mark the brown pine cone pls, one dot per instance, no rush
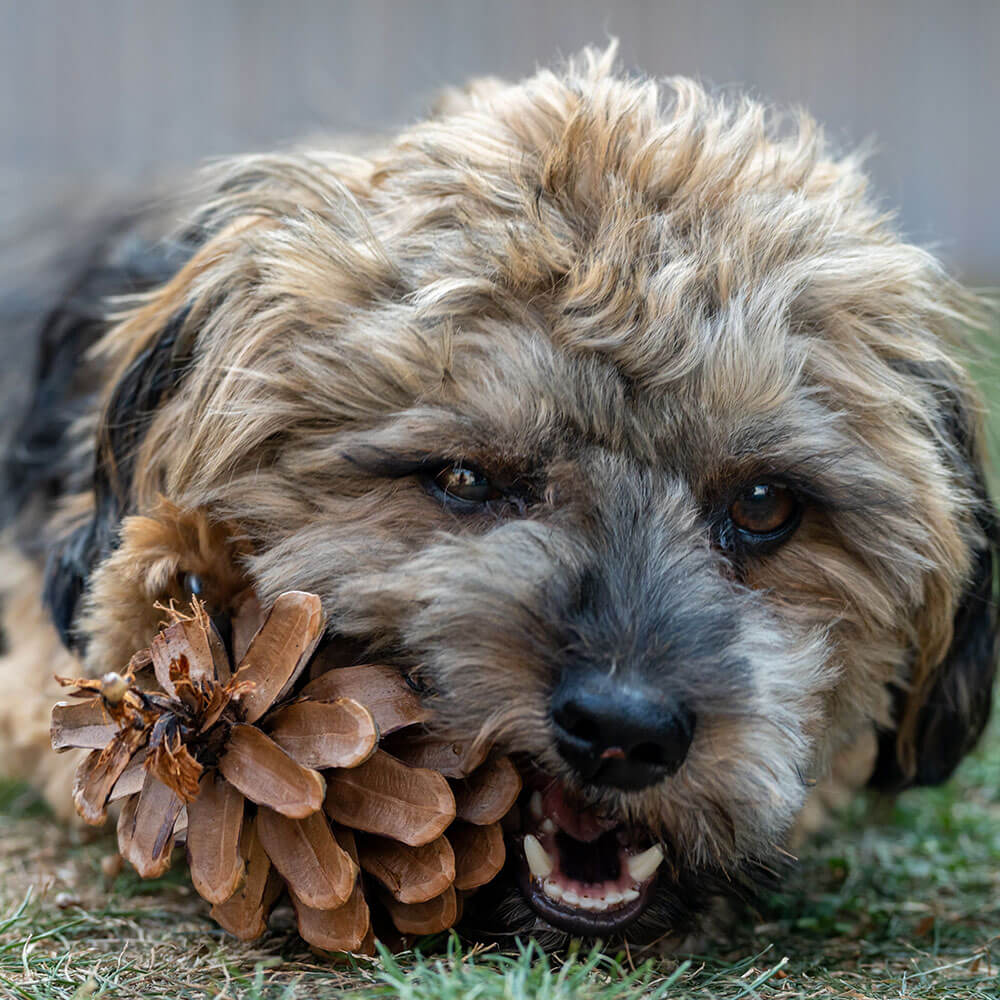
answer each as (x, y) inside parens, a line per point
(230, 760)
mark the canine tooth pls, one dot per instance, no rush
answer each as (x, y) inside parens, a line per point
(552, 889)
(569, 896)
(628, 895)
(536, 805)
(642, 866)
(538, 860)
(548, 826)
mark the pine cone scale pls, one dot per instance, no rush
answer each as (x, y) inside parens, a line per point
(386, 797)
(488, 795)
(321, 735)
(182, 650)
(266, 775)
(130, 782)
(146, 827)
(215, 821)
(100, 771)
(378, 687)
(431, 917)
(343, 929)
(246, 622)
(83, 724)
(453, 760)
(317, 869)
(279, 652)
(411, 874)
(480, 853)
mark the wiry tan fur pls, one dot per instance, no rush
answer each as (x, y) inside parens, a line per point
(634, 296)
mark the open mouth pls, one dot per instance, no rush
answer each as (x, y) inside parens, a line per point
(582, 872)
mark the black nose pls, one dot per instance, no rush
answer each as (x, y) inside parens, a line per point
(617, 734)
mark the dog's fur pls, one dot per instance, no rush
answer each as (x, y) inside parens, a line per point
(627, 307)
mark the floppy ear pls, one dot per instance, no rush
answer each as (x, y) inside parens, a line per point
(153, 373)
(153, 348)
(940, 719)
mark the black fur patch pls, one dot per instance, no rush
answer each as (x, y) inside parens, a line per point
(957, 708)
(155, 372)
(44, 462)
(40, 463)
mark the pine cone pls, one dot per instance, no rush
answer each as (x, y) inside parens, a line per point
(230, 760)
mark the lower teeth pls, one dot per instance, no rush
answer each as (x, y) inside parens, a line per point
(572, 898)
(552, 890)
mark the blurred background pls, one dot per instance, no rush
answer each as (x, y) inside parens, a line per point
(115, 91)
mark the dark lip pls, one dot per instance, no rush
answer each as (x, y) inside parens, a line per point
(577, 922)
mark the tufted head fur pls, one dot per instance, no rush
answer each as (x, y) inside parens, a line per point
(623, 306)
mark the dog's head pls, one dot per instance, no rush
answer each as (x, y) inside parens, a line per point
(631, 430)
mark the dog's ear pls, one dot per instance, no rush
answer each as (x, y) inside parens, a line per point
(146, 379)
(941, 716)
(149, 352)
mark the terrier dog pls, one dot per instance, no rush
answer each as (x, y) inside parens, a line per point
(626, 425)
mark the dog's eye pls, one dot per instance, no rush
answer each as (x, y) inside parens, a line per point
(465, 482)
(765, 511)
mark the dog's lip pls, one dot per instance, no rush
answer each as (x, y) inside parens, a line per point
(571, 847)
(579, 921)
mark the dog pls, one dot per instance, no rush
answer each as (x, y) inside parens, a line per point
(616, 414)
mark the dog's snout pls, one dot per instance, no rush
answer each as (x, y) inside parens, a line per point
(618, 734)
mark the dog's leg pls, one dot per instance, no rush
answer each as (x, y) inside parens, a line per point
(852, 767)
(31, 657)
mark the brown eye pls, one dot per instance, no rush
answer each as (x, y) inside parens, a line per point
(466, 483)
(765, 509)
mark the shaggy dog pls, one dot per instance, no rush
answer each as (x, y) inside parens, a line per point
(627, 427)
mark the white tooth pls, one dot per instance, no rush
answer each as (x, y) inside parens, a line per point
(569, 896)
(548, 826)
(588, 903)
(628, 895)
(552, 889)
(613, 898)
(536, 805)
(642, 866)
(538, 860)
(600, 904)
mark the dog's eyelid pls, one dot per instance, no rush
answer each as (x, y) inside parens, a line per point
(386, 465)
(814, 477)
(516, 491)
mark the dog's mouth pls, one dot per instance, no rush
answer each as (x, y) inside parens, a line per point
(582, 872)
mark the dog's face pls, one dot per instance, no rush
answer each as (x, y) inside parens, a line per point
(629, 433)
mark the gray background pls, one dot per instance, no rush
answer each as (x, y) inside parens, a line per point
(109, 91)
